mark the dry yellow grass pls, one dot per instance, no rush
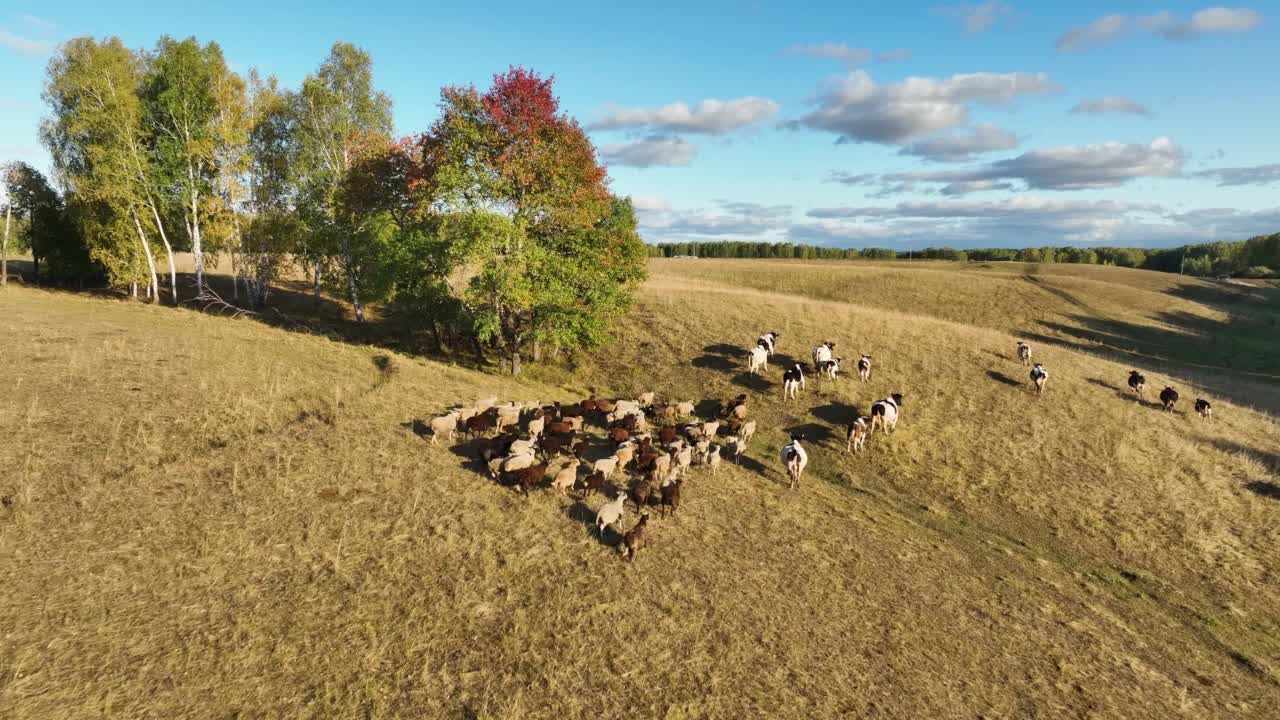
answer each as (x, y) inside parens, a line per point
(214, 518)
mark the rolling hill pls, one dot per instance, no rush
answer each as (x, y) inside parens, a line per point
(212, 517)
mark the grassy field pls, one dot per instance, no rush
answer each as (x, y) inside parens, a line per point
(211, 517)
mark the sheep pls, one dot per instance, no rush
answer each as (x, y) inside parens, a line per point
(624, 453)
(465, 414)
(646, 398)
(662, 464)
(885, 413)
(735, 446)
(552, 445)
(1204, 409)
(684, 409)
(593, 483)
(507, 415)
(737, 408)
(537, 425)
(446, 425)
(626, 407)
(617, 436)
(709, 429)
(670, 496)
(822, 353)
(747, 432)
(531, 476)
(606, 465)
(794, 458)
(559, 427)
(1038, 377)
(700, 451)
(566, 478)
(757, 359)
(666, 435)
(640, 492)
(483, 404)
(864, 367)
(523, 446)
(713, 459)
(500, 446)
(635, 538)
(792, 381)
(512, 463)
(481, 424)
(663, 412)
(768, 341)
(610, 514)
(1024, 352)
(684, 459)
(856, 435)
(1137, 382)
(1168, 398)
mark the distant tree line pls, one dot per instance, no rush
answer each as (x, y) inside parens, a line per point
(493, 228)
(1256, 257)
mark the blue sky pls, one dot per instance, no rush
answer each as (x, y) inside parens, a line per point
(905, 125)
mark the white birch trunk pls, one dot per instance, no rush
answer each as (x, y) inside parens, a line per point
(173, 270)
(135, 291)
(146, 248)
(194, 229)
(4, 247)
(351, 281)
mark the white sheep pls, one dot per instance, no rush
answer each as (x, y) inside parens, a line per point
(684, 459)
(537, 425)
(646, 399)
(523, 447)
(685, 408)
(794, 458)
(444, 425)
(710, 429)
(508, 415)
(610, 514)
(747, 431)
(566, 478)
(606, 465)
(713, 458)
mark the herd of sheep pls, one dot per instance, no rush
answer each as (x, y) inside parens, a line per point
(654, 445)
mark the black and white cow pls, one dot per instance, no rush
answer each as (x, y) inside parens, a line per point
(823, 353)
(1204, 409)
(1038, 377)
(885, 413)
(768, 341)
(864, 367)
(1168, 398)
(794, 458)
(792, 381)
(1137, 382)
(1024, 352)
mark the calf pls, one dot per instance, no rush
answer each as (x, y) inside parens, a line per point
(757, 359)
(856, 435)
(1204, 409)
(768, 341)
(864, 368)
(1038, 377)
(792, 381)
(1137, 382)
(885, 413)
(1168, 398)
(830, 368)
(794, 458)
(1024, 352)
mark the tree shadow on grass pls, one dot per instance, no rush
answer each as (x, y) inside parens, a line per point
(1268, 458)
(752, 381)
(1002, 378)
(715, 362)
(837, 413)
(725, 349)
(1265, 489)
(1122, 393)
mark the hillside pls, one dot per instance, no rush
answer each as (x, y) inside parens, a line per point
(213, 517)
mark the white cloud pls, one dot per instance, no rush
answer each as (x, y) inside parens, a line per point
(1111, 27)
(650, 151)
(978, 17)
(1065, 167)
(961, 147)
(856, 109)
(711, 117)
(833, 51)
(37, 21)
(23, 45)
(1110, 104)
(1251, 175)
(727, 219)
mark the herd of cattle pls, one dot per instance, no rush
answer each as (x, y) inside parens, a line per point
(656, 444)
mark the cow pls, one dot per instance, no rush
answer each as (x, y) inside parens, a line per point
(1137, 382)
(885, 413)
(822, 353)
(768, 341)
(1204, 409)
(1024, 352)
(856, 435)
(830, 368)
(792, 381)
(864, 367)
(1168, 398)
(757, 358)
(794, 458)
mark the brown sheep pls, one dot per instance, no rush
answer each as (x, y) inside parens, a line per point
(593, 483)
(619, 435)
(635, 538)
(530, 477)
(480, 424)
(670, 497)
(640, 492)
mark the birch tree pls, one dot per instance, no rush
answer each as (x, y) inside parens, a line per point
(95, 138)
(337, 114)
(180, 91)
